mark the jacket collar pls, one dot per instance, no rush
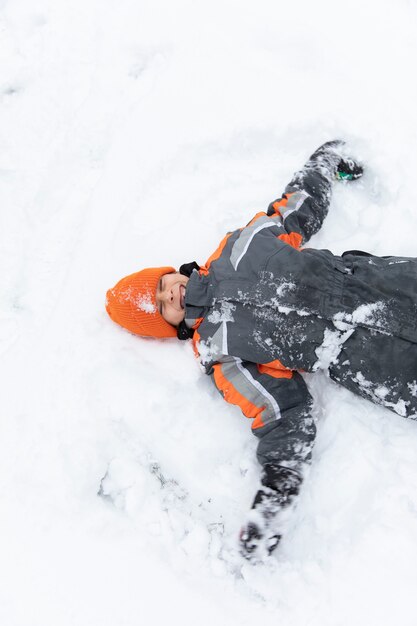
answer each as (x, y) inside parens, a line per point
(192, 313)
(187, 269)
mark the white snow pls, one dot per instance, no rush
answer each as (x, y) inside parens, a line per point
(330, 348)
(137, 134)
(225, 314)
(413, 388)
(370, 314)
(365, 314)
(146, 303)
(284, 287)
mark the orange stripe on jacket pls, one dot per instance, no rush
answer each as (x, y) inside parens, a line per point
(197, 322)
(256, 217)
(281, 204)
(275, 369)
(233, 396)
(293, 239)
(204, 269)
(196, 338)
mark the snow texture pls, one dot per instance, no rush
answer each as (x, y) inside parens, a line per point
(145, 302)
(329, 350)
(225, 314)
(137, 134)
(366, 314)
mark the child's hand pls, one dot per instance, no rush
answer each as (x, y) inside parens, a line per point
(348, 169)
(256, 543)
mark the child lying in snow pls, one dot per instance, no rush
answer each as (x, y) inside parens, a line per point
(262, 309)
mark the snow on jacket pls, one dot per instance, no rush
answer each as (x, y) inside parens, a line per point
(264, 309)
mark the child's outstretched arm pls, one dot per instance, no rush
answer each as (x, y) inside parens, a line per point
(280, 405)
(306, 199)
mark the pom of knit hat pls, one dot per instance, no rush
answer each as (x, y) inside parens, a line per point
(132, 304)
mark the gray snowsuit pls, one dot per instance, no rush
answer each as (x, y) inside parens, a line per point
(264, 309)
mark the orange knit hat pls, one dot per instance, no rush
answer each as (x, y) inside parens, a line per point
(132, 304)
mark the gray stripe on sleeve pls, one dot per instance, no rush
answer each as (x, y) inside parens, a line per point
(295, 202)
(243, 242)
(243, 381)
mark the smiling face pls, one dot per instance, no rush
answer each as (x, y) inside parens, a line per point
(170, 294)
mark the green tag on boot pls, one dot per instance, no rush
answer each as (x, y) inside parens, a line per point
(344, 176)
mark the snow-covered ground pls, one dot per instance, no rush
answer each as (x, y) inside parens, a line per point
(135, 133)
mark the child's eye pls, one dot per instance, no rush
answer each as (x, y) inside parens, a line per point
(160, 288)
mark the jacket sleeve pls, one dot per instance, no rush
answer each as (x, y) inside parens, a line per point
(278, 402)
(305, 202)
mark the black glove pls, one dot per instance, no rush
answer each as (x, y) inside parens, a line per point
(348, 169)
(260, 535)
(254, 543)
(330, 153)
